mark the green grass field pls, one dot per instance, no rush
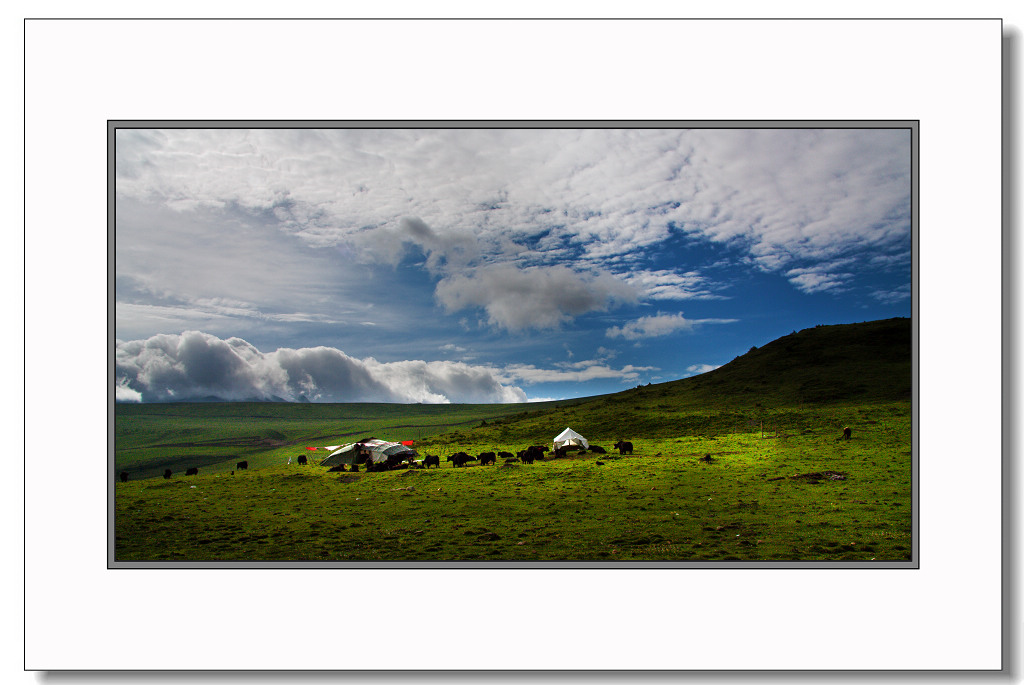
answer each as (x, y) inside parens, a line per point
(719, 472)
(214, 436)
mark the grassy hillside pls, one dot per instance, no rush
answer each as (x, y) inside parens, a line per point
(783, 386)
(149, 438)
(743, 462)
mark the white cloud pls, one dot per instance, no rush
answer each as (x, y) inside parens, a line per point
(658, 325)
(899, 294)
(534, 297)
(696, 369)
(197, 365)
(670, 285)
(572, 373)
(821, 277)
(788, 195)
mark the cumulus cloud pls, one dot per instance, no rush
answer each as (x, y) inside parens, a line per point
(533, 297)
(658, 325)
(196, 365)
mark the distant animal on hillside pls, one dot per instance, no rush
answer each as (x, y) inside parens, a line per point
(540, 449)
(335, 469)
(511, 460)
(624, 447)
(302, 460)
(846, 433)
(167, 474)
(488, 458)
(506, 455)
(194, 471)
(124, 476)
(242, 465)
(460, 459)
(431, 460)
(597, 449)
(355, 467)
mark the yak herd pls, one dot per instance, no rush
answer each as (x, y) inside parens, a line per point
(528, 456)
(459, 459)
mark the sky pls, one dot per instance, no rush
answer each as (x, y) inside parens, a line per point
(490, 265)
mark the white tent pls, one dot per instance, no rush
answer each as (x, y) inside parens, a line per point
(570, 437)
(369, 449)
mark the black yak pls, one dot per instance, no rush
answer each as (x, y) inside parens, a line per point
(624, 447)
(124, 476)
(242, 465)
(431, 459)
(460, 459)
(846, 433)
(487, 458)
(194, 471)
(302, 460)
(167, 474)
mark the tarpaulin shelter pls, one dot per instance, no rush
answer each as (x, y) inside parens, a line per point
(369, 450)
(570, 437)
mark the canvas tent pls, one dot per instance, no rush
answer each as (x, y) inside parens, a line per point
(369, 450)
(569, 437)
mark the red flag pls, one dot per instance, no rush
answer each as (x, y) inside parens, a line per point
(407, 443)
(311, 448)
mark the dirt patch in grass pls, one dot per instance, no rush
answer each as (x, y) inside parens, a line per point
(818, 476)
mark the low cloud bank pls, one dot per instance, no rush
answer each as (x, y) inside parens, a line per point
(196, 365)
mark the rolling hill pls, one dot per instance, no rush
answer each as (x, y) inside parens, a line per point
(784, 383)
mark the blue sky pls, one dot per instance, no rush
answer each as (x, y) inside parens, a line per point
(490, 265)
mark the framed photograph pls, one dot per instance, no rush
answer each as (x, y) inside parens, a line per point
(431, 214)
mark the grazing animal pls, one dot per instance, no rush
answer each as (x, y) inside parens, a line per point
(488, 458)
(167, 474)
(531, 454)
(194, 471)
(512, 460)
(302, 460)
(355, 467)
(242, 465)
(846, 433)
(124, 476)
(335, 469)
(460, 458)
(597, 449)
(624, 447)
(600, 463)
(431, 459)
(506, 455)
